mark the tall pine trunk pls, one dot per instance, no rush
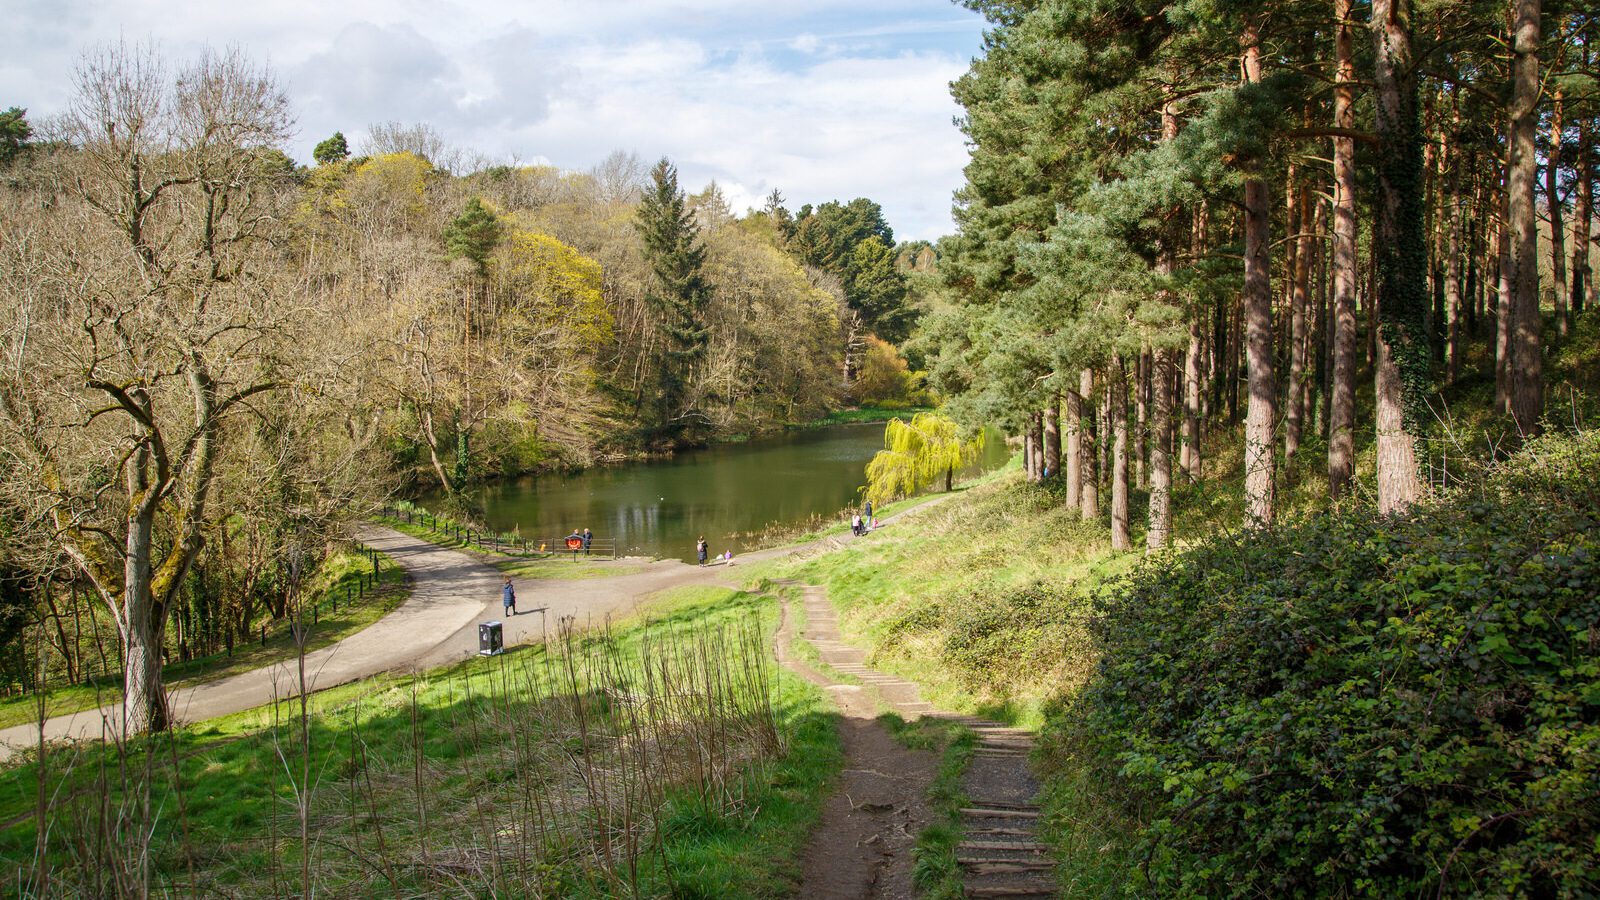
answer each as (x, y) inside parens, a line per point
(1401, 256)
(1552, 193)
(1193, 391)
(1052, 437)
(1257, 302)
(1299, 310)
(1089, 477)
(1452, 270)
(1505, 304)
(1160, 529)
(1118, 408)
(1342, 383)
(1074, 446)
(1525, 372)
(1582, 209)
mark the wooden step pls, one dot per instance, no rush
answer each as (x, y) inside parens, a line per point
(1009, 890)
(990, 865)
(1019, 832)
(1001, 813)
(1002, 804)
(1034, 846)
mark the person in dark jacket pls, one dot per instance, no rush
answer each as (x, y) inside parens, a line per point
(508, 597)
(701, 549)
(588, 536)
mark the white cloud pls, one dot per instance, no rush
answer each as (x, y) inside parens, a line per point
(824, 99)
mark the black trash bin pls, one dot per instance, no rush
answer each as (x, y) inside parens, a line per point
(491, 640)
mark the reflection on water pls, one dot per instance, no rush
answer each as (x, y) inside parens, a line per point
(659, 508)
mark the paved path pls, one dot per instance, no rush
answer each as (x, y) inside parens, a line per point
(451, 593)
(446, 586)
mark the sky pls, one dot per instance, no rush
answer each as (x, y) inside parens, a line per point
(821, 99)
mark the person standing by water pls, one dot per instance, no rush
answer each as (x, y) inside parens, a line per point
(855, 525)
(508, 597)
(868, 513)
(588, 536)
(702, 549)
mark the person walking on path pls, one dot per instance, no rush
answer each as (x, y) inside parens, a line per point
(587, 537)
(508, 597)
(701, 549)
(868, 513)
(855, 525)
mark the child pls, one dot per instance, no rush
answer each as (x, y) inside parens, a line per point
(508, 596)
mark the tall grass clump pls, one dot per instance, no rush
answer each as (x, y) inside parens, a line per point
(1356, 704)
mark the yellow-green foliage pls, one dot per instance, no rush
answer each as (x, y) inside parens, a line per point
(554, 291)
(916, 453)
(395, 184)
(884, 375)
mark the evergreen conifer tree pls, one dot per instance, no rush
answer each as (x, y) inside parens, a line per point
(679, 297)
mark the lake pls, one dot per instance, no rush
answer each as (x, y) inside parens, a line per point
(729, 493)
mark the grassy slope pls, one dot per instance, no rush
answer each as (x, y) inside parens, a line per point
(335, 580)
(235, 790)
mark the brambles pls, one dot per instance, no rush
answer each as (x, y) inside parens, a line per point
(1369, 704)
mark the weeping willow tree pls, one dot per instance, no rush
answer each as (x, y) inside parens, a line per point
(916, 453)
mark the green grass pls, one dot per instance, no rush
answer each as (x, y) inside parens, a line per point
(336, 580)
(934, 866)
(236, 775)
(757, 854)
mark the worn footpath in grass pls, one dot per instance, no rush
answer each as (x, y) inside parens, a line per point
(408, 775)
(331, 592)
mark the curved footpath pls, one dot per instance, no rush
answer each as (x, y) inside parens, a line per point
(451, 592)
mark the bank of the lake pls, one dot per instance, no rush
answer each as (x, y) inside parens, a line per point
(732, 494)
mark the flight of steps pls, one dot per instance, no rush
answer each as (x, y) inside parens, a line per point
(1000, 854)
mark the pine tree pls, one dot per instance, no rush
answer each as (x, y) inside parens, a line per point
(679, 297)
(331, 150)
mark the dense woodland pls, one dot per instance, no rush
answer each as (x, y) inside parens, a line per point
(1316, 218)
(1320, 270)
(214, 355)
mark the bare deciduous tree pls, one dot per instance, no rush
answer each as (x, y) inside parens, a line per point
(142, 325)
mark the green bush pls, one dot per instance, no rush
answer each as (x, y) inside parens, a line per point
(1365, 705)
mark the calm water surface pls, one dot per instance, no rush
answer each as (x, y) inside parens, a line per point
(726, 493)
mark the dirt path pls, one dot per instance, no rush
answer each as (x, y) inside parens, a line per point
(862, 846)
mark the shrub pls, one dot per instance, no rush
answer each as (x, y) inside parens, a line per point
(1359, 704)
